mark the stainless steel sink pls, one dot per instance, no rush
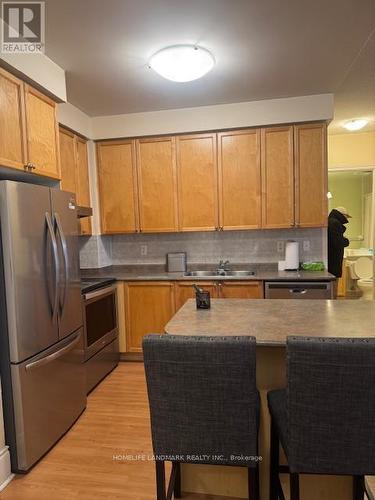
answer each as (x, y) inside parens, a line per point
(202, 273)
(222, 274)
(239, 273)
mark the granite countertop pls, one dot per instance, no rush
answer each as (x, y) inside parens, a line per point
(272, 320)
(158, 273)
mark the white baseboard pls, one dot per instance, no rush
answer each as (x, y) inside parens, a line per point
(5, 473)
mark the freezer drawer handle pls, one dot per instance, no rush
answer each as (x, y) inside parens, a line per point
(298, 290)
(56, 263)
(66, 261)
(53, 356)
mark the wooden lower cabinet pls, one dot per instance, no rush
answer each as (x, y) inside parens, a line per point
(149, 305)
(184, 291)
(240, 290)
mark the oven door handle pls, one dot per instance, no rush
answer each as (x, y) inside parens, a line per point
(99, 293)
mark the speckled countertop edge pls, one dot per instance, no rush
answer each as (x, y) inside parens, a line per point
(158, 273)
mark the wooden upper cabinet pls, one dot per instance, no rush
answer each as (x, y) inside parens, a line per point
(83, 192)
(117, 186)
(149, 306)
(157, 185)
(277, 177)
(68, 160)
(197, 182)
(74, 172)
(239, 179)
(12, 122)
(311, 174)
(83, 181)
(42, 133)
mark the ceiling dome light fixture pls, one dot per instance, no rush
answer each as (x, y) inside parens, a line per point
(182, 63)
(353, 125)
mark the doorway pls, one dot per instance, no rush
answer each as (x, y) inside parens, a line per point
(354, 190)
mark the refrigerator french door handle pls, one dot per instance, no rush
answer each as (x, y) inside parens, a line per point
(51, 357)
(56, 264)
(65, 255)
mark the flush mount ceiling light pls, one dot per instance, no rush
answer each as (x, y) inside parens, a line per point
(355, 124)
(182, 63)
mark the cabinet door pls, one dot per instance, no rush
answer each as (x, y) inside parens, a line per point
(197, 182)
(311, 174)
(241, 290)
(117, 187)
(239, 179)
(157, 186)
(42, 133)
(68, 161)
(184, 291)
(149, 306)
(12, 122)
(277, 177)
(83, 191)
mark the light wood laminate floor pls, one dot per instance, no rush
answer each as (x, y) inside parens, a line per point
(81, 465)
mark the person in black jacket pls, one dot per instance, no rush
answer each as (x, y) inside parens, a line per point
(337, 219)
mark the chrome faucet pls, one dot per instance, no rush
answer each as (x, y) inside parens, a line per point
(223, 267)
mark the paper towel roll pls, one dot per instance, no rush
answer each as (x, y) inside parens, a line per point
(291, 255)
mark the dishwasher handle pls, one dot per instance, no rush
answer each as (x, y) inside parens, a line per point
(298, 290)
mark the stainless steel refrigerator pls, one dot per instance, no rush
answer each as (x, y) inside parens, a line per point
(43, 382)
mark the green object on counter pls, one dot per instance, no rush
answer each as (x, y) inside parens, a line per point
(312, 266)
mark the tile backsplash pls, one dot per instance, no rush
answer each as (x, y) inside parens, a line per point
(259, 246)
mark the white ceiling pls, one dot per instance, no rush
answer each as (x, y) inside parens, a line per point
(263, 49)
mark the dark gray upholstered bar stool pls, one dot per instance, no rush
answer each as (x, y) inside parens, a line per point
(204, 405)
(325, 419)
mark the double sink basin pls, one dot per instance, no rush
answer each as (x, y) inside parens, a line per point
(215, 274)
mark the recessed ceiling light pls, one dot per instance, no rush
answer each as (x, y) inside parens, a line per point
(182, 63)
(355, 124)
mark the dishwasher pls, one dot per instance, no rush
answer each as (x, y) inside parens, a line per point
(298, 290)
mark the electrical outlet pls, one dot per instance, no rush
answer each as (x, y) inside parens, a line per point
(306, 246)
(144, 250)
(280, 246)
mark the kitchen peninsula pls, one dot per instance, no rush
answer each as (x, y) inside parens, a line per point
(270, 321)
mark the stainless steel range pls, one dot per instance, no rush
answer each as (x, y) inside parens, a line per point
(101, 343)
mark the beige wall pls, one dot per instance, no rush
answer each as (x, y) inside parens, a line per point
(351, 150)
(236, 115)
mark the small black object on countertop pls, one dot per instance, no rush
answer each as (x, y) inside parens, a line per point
(91, 284)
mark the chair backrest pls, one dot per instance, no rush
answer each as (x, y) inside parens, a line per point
(203, 398)
(331, 405)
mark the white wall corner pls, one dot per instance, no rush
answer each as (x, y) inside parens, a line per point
(5, 473)
(74, 118)
(41, 70)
